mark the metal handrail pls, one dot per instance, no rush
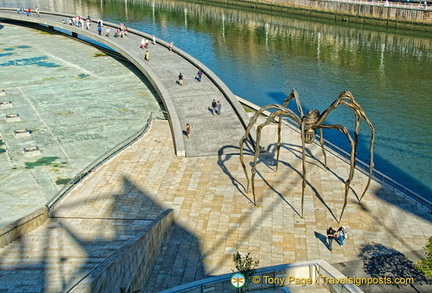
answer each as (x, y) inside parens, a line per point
(97, 162)
(318, 264)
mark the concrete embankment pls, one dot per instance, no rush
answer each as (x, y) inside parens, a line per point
(395, 14)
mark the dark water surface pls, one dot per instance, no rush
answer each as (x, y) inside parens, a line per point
(262, 57)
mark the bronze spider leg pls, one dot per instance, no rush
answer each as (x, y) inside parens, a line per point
(302, 128)
(252, 122)
(296, 97)
(292, 95)
(347, 99)
(360, 114)
(371, 163)
(322, 147)
(280, 113)
(344, 130)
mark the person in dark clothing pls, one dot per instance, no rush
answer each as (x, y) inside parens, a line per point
(330, 236)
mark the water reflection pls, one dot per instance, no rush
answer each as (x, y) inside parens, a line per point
(258, 55)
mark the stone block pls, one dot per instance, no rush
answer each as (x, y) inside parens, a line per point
(6, 104)
(13, 118)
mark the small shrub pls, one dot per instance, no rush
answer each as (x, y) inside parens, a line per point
(425, 265)
(245, 265)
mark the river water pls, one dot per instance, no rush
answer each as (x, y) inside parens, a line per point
(262, 57)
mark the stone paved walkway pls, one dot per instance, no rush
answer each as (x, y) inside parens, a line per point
(214, 216)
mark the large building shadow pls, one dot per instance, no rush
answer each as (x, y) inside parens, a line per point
(72, 246)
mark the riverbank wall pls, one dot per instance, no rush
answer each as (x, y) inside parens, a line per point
(394, 14)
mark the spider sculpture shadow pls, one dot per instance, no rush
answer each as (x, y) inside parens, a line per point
(308, 124)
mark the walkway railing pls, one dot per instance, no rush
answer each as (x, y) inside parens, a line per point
(97, 162)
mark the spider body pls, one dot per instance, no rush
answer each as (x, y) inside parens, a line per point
(309, 124)
(310, 120)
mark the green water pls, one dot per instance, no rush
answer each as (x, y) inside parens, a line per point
(76, 102)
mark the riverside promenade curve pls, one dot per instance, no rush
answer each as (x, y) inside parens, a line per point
(190, 103)
(211, 219)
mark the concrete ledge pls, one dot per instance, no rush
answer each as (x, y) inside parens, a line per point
(13, 231)
(131, 265)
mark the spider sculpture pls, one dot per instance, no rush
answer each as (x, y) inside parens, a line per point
(308, 124)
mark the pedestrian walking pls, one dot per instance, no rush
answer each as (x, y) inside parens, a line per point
(342, 234)
(214, 106)
(147, 56)
(330, 236)
(37, 11)
(180, 79)
(188, 130)
(199, 75)
(100, 22)
(99, 29)
(143, 43)
(154, 40)
(219, 107)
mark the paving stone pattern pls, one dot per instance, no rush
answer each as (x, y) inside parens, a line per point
(213, 215)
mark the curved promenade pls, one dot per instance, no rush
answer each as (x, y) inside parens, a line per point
(197, 206)
(189, 103)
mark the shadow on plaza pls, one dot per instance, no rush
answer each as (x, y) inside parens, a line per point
(391, 270)
(72, 244)
(268, 158)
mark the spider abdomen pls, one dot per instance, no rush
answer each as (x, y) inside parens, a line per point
(310, 120)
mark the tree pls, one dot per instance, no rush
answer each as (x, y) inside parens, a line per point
(425, 265)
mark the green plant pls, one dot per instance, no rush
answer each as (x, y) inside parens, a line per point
(245, 265)
(425, 265)
(99, 54)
